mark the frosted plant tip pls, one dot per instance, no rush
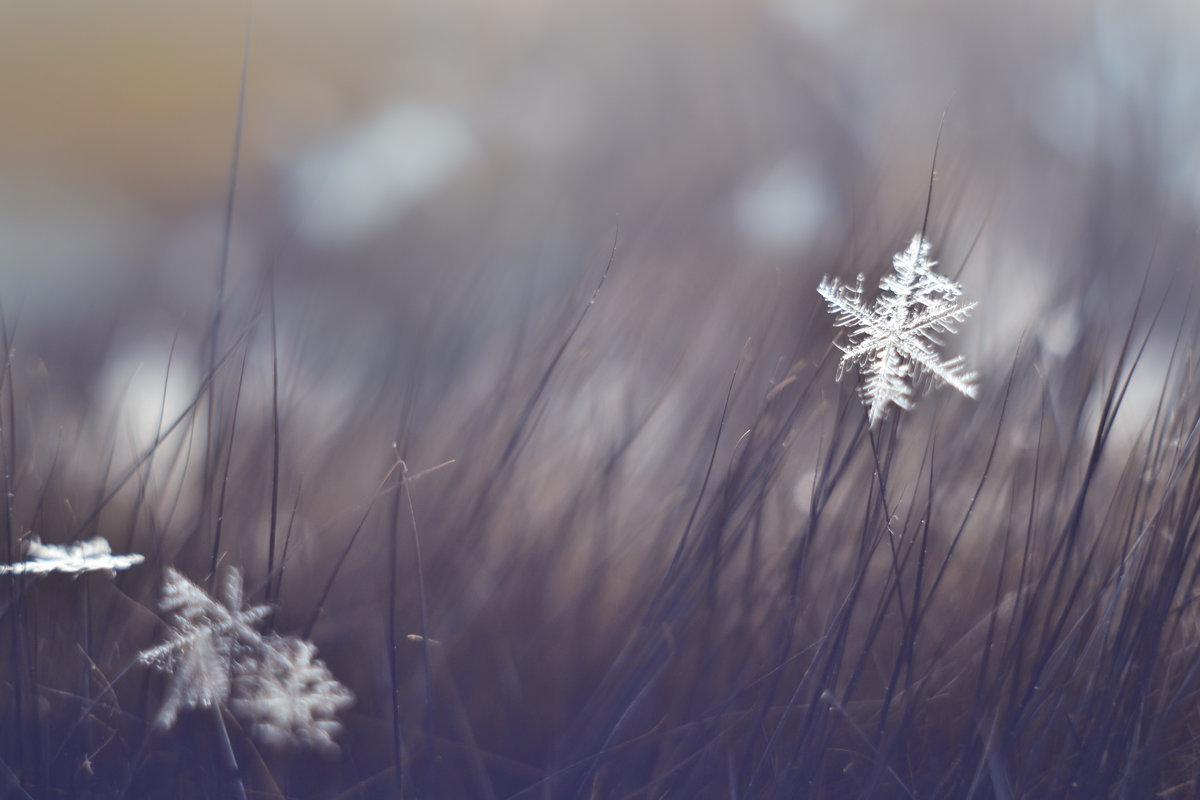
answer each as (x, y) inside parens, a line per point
(94, 555)
(894, 342)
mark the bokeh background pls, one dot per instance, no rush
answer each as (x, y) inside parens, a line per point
(429, 191)
(480, 155)
(426, 195)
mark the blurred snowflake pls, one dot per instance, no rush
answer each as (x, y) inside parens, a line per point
(215, 653)
(289, 697)
(94, 555)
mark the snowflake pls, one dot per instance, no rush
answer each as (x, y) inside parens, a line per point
(94, 555)
(287, 696)
(894, 342)
(208, 640)
(215, 653)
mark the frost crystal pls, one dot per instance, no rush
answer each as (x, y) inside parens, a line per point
(207, 641)
(215, 652)
(290, 697)
(895, 342)
(94, 555)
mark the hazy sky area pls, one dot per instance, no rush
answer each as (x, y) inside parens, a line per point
(479, 156)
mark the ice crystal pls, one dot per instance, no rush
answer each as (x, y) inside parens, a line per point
(290, 697)
(895, 341)
(94, 555)
(215, 653)
(208, 639)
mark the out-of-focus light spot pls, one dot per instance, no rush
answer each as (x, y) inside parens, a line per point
(785, 210)
(802, 492)
(818, 18)
(1060, 331)
(1066, 112)
(355, 186)
(141, 391)
(142, 395)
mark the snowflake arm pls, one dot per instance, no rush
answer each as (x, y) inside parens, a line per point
(940, 318)
(886, 382)
(207, 640)
(847, 302)
(951, 372)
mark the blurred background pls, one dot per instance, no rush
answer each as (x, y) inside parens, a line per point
(427, 193)
(391, 146)
(429, 188)
(432, 186)
(433, 181)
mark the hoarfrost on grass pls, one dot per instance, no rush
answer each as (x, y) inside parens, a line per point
(894, 342)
